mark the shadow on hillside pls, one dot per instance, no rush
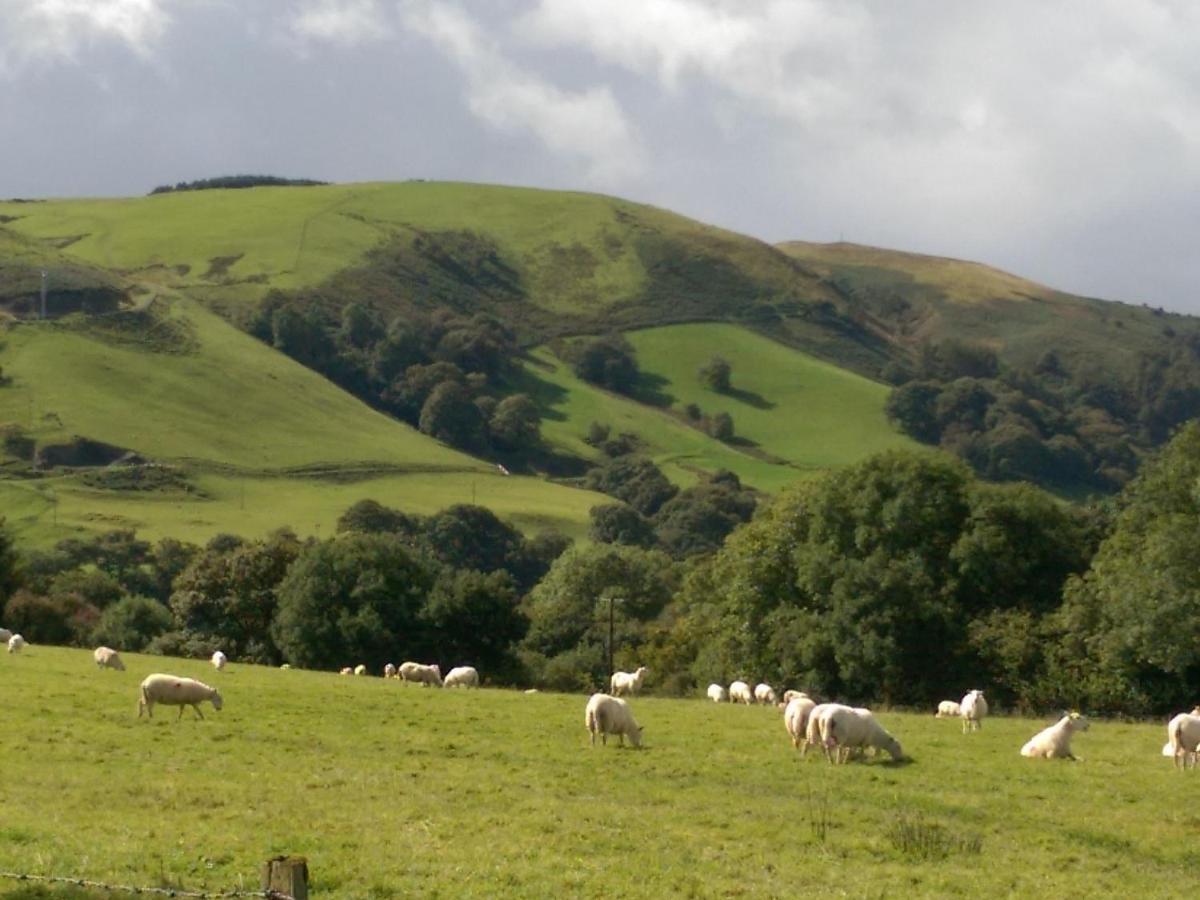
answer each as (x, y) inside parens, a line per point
(650, 391)
(547, 395)
(758, 401)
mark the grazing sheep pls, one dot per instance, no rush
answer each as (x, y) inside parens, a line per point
(108, 658)
(764, 693)
(219, 660)
(812, 731)
(346, 670)
(849, 729)
(1183, 738)
(16, 644)
(607, 715)
(389, 671)
(789, 696)
(423, 675)
(360, 669)
(462, 676)
(285, 667)
(533, 691)
(627, 682)
(739, 692)
(972, 709)
(948, 709)
(1055, 742)
(717, 694)
(171, 690)
(5, 635)
(795, 720)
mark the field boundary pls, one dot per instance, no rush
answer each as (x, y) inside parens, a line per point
(131, 889)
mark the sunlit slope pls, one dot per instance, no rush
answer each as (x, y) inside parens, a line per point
(793, 414)
(562, 251)
(407, 792)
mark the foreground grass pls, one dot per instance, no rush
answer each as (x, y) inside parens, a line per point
(407, 792)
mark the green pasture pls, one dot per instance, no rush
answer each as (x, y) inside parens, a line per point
(404, 792)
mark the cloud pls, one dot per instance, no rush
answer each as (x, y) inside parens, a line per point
(343, 22)
(587, 126)
(58, 30)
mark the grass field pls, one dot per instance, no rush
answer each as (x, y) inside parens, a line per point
(405, 792)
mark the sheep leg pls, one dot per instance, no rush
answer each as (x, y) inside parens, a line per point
(196, 708)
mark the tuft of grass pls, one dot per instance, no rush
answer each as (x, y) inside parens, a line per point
(919, 838)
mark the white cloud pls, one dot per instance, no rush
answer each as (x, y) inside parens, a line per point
(344, 22)
(587, 126)
(57, 30)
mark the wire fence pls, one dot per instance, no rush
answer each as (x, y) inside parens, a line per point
(132, 889)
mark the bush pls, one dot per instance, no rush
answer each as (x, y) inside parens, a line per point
(132, 623)
(720, 426)
(716, 374)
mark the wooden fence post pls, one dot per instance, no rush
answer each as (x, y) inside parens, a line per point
(286, 874)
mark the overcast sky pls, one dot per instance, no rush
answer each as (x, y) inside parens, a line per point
(1060, 141)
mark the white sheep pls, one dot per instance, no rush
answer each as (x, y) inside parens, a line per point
(285, 667)
(607, 715)
(764, 693)
(1183, 739)
(717, 694)
(1054, 742)
(846, 730)
(789, 696)
(973, 708)
(389, 671)
(219, 660)
(346, 670)
(422, 675)
(171, 690)
(739, 692)
(16, 644)
(812, 732)
(108, 658)
(5, 635)
(795, 720)
(627, 682)
(462, 676)
(948, 709)
(360, 669)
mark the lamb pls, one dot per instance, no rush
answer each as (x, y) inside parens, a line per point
(1183, 737)
(172, 690)
(627, 682)
(16, 644)
(849, 729)
(972, 709)
(219, 660)
(360, 669)
(764, 693)
(795, 720)
(423, 675)
(739, 692)
(717, 694)
(1055, 742)
(108, 658)
(389, 671)
(462, 676)
(948, 709)
(5, 635)
(607, 715)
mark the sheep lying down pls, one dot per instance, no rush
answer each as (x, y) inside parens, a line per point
(171, 690)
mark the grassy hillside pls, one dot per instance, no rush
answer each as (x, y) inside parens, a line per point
(258, 440)
(393, 791)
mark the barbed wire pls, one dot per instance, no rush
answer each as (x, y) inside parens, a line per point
(132, 889)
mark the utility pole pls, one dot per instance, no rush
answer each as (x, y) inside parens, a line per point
(43, 293)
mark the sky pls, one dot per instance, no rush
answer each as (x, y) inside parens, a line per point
(1059, 141)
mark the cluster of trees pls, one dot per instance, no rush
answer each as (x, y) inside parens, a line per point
(235, 181)
(1053, 427)
(444, 374)
(608, 361)
(901, 579)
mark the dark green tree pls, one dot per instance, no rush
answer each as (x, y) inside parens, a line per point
(516, 423)
(716, 374)
(619, 523)
(131, 623)
(450, 416)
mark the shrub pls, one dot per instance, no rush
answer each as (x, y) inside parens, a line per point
(131, 623)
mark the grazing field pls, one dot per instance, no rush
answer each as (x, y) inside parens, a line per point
(392, 791)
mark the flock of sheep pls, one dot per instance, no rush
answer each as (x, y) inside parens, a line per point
(841, 731)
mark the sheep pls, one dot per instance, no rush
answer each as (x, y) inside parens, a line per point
(462, 676)
(108, 658)
(16, 644)
(812, 731)
(219, 660)
(848, 729)
(607, 715)
(5, 635)
(285, 667)
(627, 682)
(423, 675)
(1183, 739)
(972, 709)
(795, 720)
(346, 670)
(717, 694)
(172, 690)
(764, 693)
(789, 696)
(389, 671)
(1054, 742)
(360, 669)
(739, 692)
(948, 709)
